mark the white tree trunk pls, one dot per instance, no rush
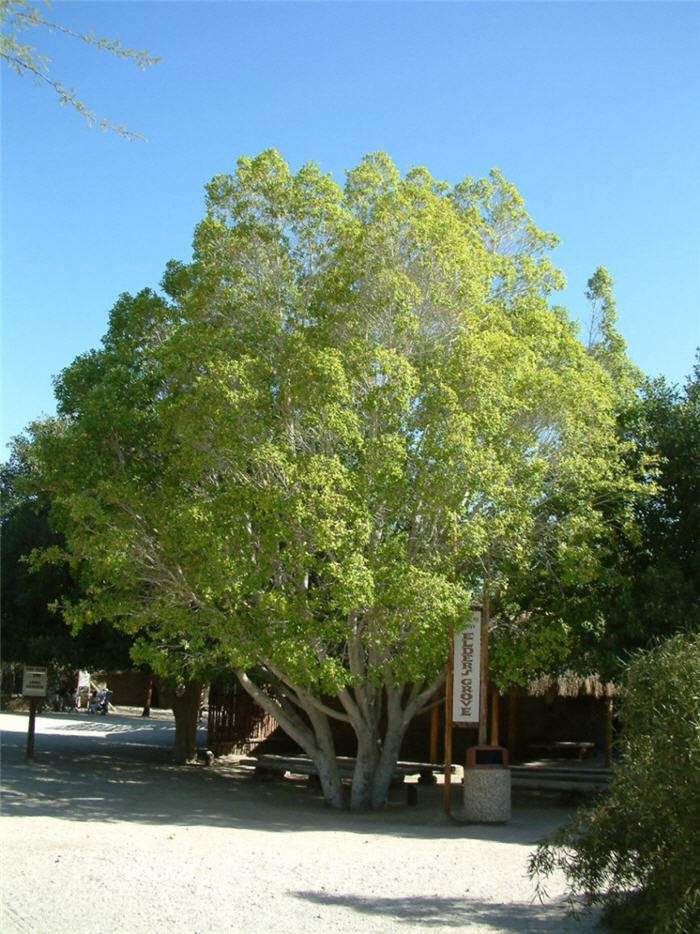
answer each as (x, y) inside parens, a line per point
(367, 757)
(376, 755)
(317, 743)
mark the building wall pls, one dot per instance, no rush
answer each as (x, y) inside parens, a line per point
(129, 688)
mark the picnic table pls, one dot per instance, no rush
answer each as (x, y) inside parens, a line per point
(534, 776)
(569, 749)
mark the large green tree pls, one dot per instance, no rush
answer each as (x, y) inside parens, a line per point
(336, 426)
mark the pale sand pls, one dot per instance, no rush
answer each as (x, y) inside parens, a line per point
(101, 833)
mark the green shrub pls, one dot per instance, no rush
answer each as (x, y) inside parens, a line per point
(636, 849)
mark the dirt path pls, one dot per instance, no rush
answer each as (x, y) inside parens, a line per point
(102, 832)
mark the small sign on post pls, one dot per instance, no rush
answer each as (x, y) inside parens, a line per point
(34, 681)
(34, 686)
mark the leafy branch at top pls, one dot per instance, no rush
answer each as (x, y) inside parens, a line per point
(16, 16)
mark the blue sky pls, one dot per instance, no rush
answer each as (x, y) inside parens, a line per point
(591, 109)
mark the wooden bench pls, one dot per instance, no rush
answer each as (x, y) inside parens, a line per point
(559, 778)
(270, 766)
(567, 749)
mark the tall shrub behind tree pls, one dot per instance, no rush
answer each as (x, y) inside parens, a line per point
(636, 851)
(637, 581)
(662, 567)
(560, 610)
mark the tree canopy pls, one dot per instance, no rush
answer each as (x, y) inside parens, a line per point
(351, 412)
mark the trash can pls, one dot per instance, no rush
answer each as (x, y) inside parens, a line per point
(487, 791)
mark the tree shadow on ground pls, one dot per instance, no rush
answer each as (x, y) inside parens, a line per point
(459, 913)
(113, 770)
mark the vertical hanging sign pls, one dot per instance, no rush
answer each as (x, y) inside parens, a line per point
(466, 678)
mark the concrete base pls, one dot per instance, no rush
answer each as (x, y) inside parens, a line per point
(487, 795)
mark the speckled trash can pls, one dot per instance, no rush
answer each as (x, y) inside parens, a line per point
(487, 786)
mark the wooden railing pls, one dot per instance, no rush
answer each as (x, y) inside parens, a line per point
(235, 723)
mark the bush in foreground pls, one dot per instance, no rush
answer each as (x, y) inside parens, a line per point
(636, 850)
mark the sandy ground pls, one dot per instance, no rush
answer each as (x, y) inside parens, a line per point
(101, 832)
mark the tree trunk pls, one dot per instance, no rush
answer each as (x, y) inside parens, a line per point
(316, 740)
(186, 709)
(397, 720)
(376, 757)
(322, 753)
(387, 763)
(367, 759)
(331, 783)
(364, 710)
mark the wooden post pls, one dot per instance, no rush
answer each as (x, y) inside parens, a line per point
(512, 722)
(33, 701)
(149, 698)
(608, 731)
(434, 733)
(449, 678)
(484, 688)
(494, 716)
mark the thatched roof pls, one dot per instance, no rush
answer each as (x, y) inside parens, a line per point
(571, 684)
